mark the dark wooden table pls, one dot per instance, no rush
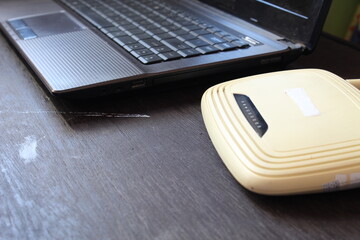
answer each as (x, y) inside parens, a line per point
(141, 166)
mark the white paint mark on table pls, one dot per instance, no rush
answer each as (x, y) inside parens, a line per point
(28, 149)
(83, 114)
(30, 213)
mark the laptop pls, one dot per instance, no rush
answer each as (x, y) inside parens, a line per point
(93, 47)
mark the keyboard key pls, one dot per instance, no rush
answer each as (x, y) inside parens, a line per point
(124, 40)
(175, 44)
(207, 49)
(141, 52)
(143, 22)
(150, 27)
(213, 29)
(135, 19)
(204, 25)
(199, 32)
(119, 21)
(241, 43)
(231, 38)
(169, 56)
(172, 28)
(110, 14)
(252, 41)
(151, 42)
(150, 59)
(164, 23)
(191, 27)
(135, 31)
(178, 32)
(186, 37)
(116, 34)
(134, 46)
(197, 21)
(185, 22)
(197, 43)
(141, 36)
(163, 36)
(129, 26)
(189, 52)
(160, 49)
(157, 19)
(96, 19)
(129, 14)
(156, 31)
(225, 46)
(222, 34)
(109, 29)
(82, 9)
(212, 39)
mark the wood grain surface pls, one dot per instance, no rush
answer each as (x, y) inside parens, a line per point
(141, 166)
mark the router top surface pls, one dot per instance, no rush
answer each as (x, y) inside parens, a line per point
(287, 132)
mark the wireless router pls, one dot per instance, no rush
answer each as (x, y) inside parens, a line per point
(287, 132)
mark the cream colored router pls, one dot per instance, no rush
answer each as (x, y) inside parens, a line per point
(287, 132)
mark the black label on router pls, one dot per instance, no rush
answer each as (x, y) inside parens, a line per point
(251, 114)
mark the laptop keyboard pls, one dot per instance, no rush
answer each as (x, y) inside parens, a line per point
(153, 31)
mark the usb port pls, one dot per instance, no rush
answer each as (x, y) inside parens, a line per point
(138, 84)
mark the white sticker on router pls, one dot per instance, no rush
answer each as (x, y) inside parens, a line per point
(303, 101)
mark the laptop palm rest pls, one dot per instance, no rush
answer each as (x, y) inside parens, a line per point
(67, 55)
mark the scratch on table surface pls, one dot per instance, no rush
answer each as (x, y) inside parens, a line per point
(28, 149)
(83, 114)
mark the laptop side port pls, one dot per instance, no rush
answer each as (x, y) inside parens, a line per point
(138, 84)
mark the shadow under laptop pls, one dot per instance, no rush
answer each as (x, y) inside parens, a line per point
(179, 98)
(142, 104)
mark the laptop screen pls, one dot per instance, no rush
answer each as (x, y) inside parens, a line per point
(295, 20)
